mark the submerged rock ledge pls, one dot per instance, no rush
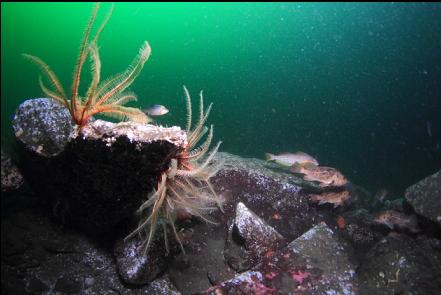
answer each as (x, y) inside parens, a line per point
(97, 178)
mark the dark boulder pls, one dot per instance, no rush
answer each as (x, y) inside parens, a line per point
(425, 197)
(399, 264)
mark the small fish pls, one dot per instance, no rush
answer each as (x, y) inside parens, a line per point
(289, 159)
(335, 198)
(325, 176)
(156, 110)
(397, 220)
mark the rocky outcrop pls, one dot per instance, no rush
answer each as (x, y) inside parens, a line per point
(425, 197)
(99, 177)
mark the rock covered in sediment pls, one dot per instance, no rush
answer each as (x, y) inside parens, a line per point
(323, 249)
(11, 176)
(272, 193)
(425, 197)
(257, 237)
(399, 264)
(357, 228)
(43, 126)
(98, 177)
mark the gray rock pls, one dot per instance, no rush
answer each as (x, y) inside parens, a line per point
(43, 126)
(399, 264)
(322, 249)
(257, 236)
(425, 197)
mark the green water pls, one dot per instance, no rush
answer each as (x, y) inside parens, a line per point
(355, 85)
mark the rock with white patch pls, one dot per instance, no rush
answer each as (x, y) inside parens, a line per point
(99, 177)
(134, 267)
(43, 126)
(249, 239)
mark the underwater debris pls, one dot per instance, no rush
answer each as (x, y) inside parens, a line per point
(107, 97)
(185, 185)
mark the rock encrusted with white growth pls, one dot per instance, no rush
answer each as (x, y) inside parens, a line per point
(43, 126)
(135, 132)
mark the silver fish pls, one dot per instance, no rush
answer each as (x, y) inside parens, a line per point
(156, 110)
(289, 159)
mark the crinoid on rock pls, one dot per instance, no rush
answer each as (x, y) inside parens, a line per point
(185, 185)
(108, 97)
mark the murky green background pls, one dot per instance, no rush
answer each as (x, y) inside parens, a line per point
(356, 85)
